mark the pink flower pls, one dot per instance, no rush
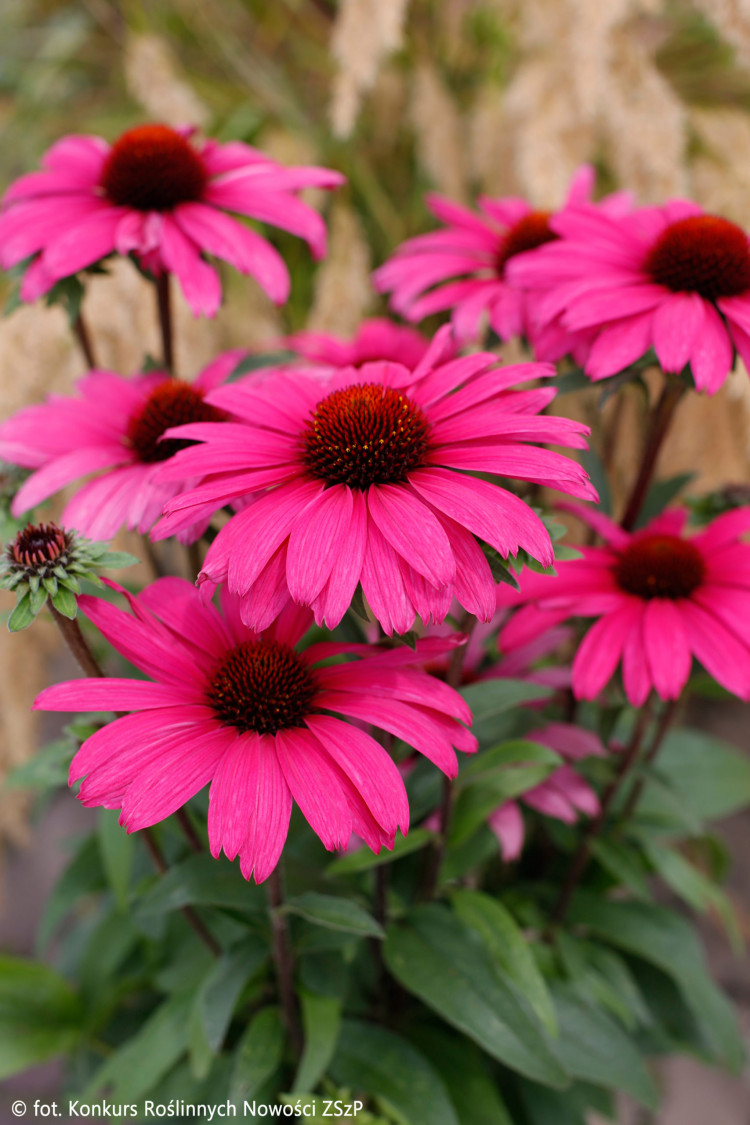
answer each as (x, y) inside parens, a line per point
(477, 250)
(113, 428)
(671, 278)
(660, 597)
(564, 795)
(367, 480)
(257, 719)
(377, 338)
(163, 196)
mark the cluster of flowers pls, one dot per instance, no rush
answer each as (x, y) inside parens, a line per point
(377, 467)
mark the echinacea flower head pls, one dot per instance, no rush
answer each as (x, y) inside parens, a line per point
(44, 562)
(670, 278)
(263, 722)
(377, 338)
(661, 598)
(368, 479)
(564, 795)
(165, 197)
(113, 426)
(464, 267)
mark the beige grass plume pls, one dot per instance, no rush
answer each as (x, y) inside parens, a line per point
(364, 34)
(152, 76)
(439, 132)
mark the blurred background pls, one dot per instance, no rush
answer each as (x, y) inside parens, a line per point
(403, 96)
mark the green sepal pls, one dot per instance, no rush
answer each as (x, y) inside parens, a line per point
(38, 599)
(65, 603)
(50, 585)
(22, 615)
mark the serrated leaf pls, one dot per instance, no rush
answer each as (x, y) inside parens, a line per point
(442, 961)
(509, 948)
(388, 1067)
(258, 1055)
(22, 615)
(321, 1021)
(334, 913)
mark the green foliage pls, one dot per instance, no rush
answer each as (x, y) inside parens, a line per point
(40, 1015)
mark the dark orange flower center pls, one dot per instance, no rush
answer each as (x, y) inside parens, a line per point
(171, 403)
(660, 566)
(262, 686)
(529, 232)
(38, 544)
(701, 254)
(366, 434)
(153, 168)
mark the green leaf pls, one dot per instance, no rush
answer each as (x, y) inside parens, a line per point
(22, 615)
(593, 1047)
(695, 888)
(82, 877)
(363, 859)
(624, 864)
(258, 1055)
(440, 960)
(709, 775)
(117, 560)
(256, 362)
(334, 913)
(48, 769)
(200, 880)
(216, 999)
(509, 948)
(65, 602)
(321, 1020)
(133, 1069)
(475, 802)
(512, 752)
(462, 1069)
(490, 700)
(666, 940)
(117, 849)
(594, 466)
(40, 1015)
(381, 1063)
(659, 495)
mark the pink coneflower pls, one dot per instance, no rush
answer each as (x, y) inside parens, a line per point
(564, 795)
(377, 338)
(367, 480)
(661, 598)
(671, 278)
(113, 427)
(477, 249)
(162, 195)
(259, 720)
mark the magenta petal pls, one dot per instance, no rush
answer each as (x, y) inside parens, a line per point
(383, 585)
(334, 600)
(199, 281)
(62, 470)
(413, 531)
(601, 649)
(314, 784)
(678, 323)
(507, 824)
(370, 769)
(712, 355)
(319, 543)
(86, 242)
(112, 695)
(667, 647)
(636, 674)
(269, 824)
(722, 655)
(619, 345)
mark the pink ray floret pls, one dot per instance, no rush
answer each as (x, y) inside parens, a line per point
(375, 339)
(111, 427)
(369, 479)
(464, 268)
(165, 197)
(660, 596)
(670, 278)
(267, 725)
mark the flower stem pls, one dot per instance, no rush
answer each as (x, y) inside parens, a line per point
(84, 340)
(282, 955)
(76, 642)
(187, 912)
(665, 722)
(583, 856)
(164, 307)
(466, 624)
(188, 831)
(661, 419)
